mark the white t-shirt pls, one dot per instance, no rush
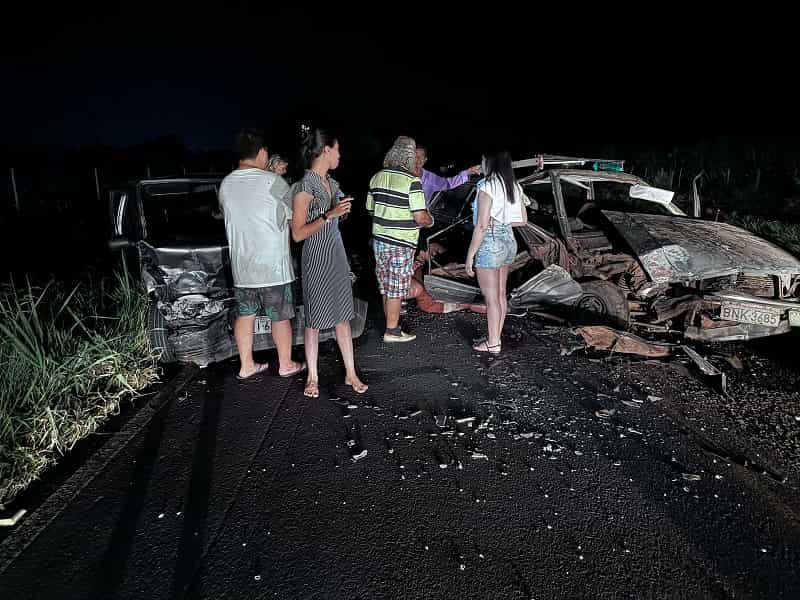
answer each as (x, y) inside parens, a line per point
(502, 210)
(257, 224)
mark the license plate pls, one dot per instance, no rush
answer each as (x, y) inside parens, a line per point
(794, 318)
(263, 325)
(744, 313)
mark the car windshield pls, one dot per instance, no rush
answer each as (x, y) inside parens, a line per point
(580, 197)
(182, 212)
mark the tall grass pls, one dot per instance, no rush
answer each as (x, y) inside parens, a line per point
(65, 367)
(786, 235)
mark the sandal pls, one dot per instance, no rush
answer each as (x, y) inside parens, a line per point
(294, 372)
(311, 390)
(259, 369)
(358, 388)
(484, 346)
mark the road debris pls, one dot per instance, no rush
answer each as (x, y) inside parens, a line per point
(605, 338)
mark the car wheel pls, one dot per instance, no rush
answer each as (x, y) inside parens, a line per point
(157, 330)
(602, 303)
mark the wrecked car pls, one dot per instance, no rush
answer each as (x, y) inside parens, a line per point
(174, 232)
(605, 246)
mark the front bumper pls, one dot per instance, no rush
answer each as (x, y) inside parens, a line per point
(789, 313)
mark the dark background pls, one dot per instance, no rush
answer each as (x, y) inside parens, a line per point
(149, 88)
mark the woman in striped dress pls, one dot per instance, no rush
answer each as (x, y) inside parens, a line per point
(327, 291)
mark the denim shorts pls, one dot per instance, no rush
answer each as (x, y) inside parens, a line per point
(498, 247)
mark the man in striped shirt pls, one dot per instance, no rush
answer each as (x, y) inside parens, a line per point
(397, 205)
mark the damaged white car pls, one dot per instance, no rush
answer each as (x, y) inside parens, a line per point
(605, 246)
(173, 230)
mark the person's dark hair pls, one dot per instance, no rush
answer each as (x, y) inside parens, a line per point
(424, 150)
(499, 164)
(248, 143)
(313, 142)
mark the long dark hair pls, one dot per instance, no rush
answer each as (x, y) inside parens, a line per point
(499, 163)
(313, 142)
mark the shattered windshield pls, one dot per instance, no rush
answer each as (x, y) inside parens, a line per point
(177, 212)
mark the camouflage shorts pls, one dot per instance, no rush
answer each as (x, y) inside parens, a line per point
(275, 302)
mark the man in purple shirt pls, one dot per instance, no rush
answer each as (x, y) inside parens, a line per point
(432, 183)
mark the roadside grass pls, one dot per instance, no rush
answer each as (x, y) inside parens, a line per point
(785, 235)
(68, 358)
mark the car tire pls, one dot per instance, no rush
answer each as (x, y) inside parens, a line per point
(602, 303)
(158, 333)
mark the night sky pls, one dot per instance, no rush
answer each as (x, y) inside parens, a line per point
(151, 86)
(457, 79)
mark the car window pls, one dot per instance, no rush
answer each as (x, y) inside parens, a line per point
(584, 200)
(612, 195)
(453, 204)
(580, 198)
(182, 212)
(542, 211)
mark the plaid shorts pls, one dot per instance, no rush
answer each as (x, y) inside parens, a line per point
(275, 302)
(394, 266)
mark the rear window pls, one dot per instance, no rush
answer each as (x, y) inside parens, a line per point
(183, 212)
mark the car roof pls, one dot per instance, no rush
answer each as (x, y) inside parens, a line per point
(582, 175)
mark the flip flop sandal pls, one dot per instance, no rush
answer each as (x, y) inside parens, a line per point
(361, 390)
(259, 369)
(299, 369)
(307, 391)
(487, 348)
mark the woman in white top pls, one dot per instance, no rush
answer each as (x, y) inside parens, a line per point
(499, 205)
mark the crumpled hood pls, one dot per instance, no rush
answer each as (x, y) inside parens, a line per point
(675, 249)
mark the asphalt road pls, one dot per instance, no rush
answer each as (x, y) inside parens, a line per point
(543, 473)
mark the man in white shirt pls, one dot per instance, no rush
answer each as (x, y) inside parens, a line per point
(257, 226)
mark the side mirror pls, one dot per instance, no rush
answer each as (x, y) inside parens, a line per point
(119, 242)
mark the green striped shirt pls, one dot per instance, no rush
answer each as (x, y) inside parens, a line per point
(392, 199)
